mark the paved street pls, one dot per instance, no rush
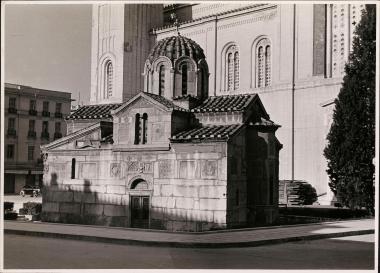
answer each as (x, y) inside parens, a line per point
(354, 252)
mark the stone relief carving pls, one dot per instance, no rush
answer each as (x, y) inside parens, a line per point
(139, 167)
(115, 169)
(165, 169)
(209, 168)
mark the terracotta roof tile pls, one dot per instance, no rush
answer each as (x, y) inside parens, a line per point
(225, 103)
(213, 132)
(94, 111)
(165, 102)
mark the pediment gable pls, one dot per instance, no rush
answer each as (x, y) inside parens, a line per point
(89, 137)
(144, 100)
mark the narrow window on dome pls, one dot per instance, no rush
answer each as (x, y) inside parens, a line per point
(108, 80)
(145, 128)
(161, 87)
(263, 63)
(184, 79)
(137, 129)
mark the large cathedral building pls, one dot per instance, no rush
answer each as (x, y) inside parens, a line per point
(176, 135)
(293, 56)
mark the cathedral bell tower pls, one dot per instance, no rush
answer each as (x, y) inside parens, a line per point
(120, 45)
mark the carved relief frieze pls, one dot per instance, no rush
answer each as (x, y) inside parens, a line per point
(115, 170)
(264, 17)
(209, 168)
(165, 169)
(139, 167)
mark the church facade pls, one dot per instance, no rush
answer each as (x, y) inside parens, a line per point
(171, 158)
(293, 56)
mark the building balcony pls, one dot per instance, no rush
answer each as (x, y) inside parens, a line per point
(45, 135)
(58, 115)
(33, 112)
(11, 133)
(57, 135)
(12, 110)
(45, 114)
(32, 134)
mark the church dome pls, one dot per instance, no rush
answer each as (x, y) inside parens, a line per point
(175, 47)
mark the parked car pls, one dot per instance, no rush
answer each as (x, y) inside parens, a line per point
(32, 190)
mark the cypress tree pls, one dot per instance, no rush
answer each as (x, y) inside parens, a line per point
(350, 146)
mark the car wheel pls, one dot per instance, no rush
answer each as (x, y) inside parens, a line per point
(22, 193)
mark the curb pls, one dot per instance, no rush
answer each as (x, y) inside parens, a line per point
(186, 244)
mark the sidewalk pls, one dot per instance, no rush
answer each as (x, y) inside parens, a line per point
(211, 239)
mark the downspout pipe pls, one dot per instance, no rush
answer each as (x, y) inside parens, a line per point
(293, 84)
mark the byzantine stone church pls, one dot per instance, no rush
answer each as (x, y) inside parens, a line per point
(176, 135)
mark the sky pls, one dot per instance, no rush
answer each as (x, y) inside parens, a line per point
(49, 47)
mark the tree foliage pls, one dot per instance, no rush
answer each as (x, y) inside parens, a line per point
(307, 194)
(351, 140)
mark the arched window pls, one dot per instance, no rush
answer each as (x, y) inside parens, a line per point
(145, 128)
(232, 68)
(161, 83)
(184, 79)
(108, 79)
(141, 128)
(263, 61)
(73, 168)
(137, 129)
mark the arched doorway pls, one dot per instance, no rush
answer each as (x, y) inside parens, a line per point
(140, 203)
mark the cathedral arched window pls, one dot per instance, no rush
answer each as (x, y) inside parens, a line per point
(161, 81)
(232, 68)
(263, 63)
(108, 80)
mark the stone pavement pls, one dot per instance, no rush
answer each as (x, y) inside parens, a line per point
(211, 239)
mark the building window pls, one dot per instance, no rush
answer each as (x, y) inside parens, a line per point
(263, 60)
(12, 106)
(137, 129)
(161, 87)
(11, 127)
(184, 79)
(145, 128)
(232, 68)
(57, 132)
(32, 107)
(73, 168)
(30, 152)
(45, 130)
(32, 132)
(10, 151)
(12, 103)
(58, 110)
(45, 109)
(108, 79)
(141, 128)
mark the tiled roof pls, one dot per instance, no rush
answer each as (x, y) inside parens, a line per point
(175, 47)
(225, 103)
(264, 122)
(165, 102)
(94, 111)
(213, 132)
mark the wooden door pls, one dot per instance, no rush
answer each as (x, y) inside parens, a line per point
(140, 211)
